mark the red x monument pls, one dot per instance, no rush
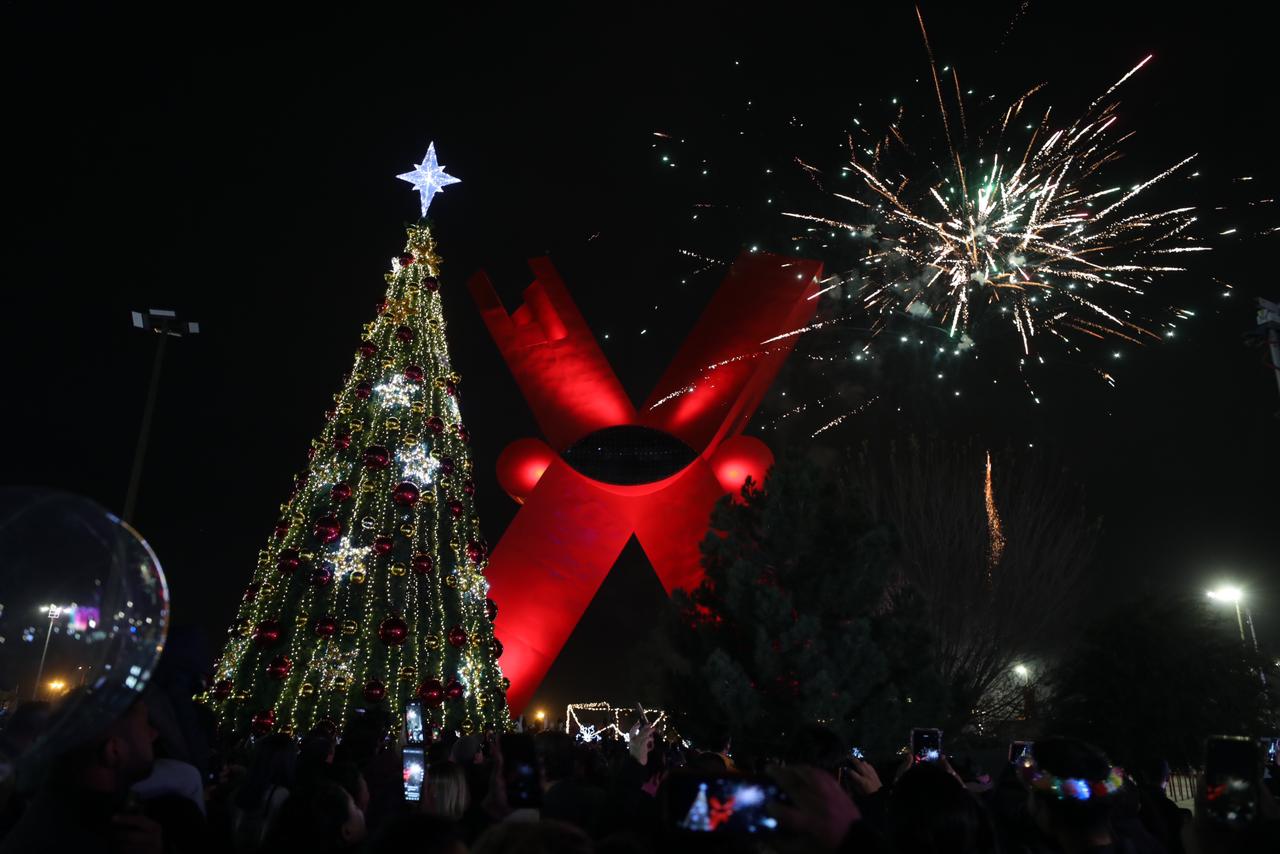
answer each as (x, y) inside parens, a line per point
(608, 471)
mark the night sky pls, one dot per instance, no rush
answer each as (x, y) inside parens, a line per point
(240, 169)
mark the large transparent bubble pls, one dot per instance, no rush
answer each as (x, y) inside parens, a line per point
(84, 609)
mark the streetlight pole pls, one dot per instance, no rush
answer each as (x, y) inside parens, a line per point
(54, 613)
(165, 324)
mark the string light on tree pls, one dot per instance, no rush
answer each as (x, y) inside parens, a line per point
(417, 465)
(396, 391)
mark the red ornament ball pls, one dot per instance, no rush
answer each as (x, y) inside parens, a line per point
(325, 627)
(463, 433)
(404, 334)
(374, 691)
(431, 692)
(263, 722)
(342, 440)
(468, 487)
(393, 631)
(450, 388)
(423, 564)
(431, 283)
(222, 689)
(382, 306)
(321, 576)
(282, 528)
(363, 390)
(453, 690)
(327, 529)
(382, 544)
(405, 494)
(477, 551)
(368, 349)
(406, 259)
(435, 424)
(301, 480)
(340, 492)
(287, 561)
(376, 457)
(279, 667)
(413, 373)
(251, 591)
(491, 609)
(457, 637)
(268, 633)
(446, 466)
(496, 646)
(455, 509)
(311, 453)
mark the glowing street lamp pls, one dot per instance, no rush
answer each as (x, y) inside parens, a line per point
(1022, 671)
(1234, 595)
(56, 686)
(54, 612)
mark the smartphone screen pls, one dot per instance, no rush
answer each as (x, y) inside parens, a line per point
(926, 744)
(1018, 749)
(721, 804)
(520, 770)
(1231, 771)
(415, 773)
(413, 733)
(856, 753)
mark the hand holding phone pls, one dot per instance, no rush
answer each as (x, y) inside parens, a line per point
(413, 727)
(522, 778)
(415, 773)
(727, 803)
(926, 745)
(1232, 770)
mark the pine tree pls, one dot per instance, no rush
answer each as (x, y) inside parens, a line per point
(795, 626)
(370, 591)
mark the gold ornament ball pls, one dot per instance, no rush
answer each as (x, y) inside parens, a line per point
(451, 581)
(350, 627)
(286, 730)
(407, 529)
(398, 569)
(393, 424)
(408, 672)
(432, 642)
(358, 577)
(307, 690)
(357, 425)
(467, 726)
(368, 523)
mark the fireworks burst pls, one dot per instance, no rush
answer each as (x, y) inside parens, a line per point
(1027, 231)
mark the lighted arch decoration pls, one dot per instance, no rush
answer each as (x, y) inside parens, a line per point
(605, 471)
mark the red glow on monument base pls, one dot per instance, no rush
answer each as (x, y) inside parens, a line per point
(571, 528)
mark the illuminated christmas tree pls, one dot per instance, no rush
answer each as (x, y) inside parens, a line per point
(370, 592)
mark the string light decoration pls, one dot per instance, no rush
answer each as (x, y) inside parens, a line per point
(370, 591)
(610, 722)
(417, 465)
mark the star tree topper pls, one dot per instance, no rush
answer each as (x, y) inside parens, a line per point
(428, 178)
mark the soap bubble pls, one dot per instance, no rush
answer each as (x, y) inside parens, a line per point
(84, 609)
